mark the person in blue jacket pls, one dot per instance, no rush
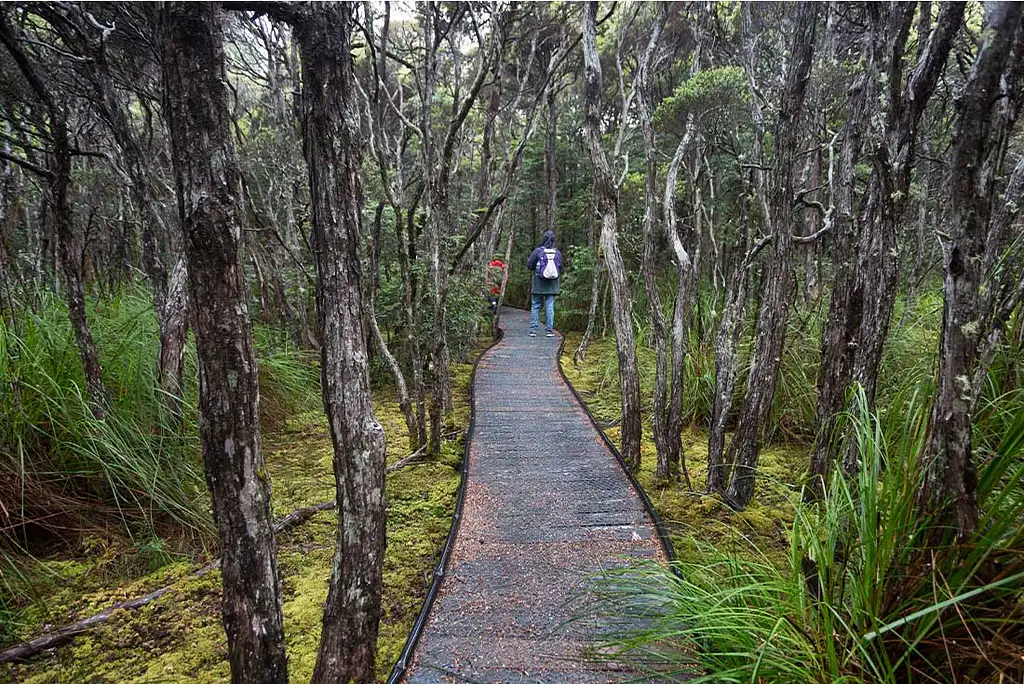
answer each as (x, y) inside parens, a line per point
(546, 263)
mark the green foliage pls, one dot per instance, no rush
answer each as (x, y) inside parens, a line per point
(719, 90)
(289, 377)
(874, 590)
(59, 459)
(136, 469)
(466, 311)
(573, 303)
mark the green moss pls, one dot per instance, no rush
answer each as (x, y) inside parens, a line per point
(179, 638)
(695, 521)
(421, 501)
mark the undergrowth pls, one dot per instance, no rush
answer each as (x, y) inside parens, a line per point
(694, 521)
(859, 588)
(66, 475)
(873, 590)
(179, 638)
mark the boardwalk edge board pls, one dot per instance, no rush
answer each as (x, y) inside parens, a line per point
(659, 524)
(400, 667)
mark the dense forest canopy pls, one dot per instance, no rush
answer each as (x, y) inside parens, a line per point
(792, 217)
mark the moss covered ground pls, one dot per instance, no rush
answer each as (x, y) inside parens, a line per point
(695, 521)
(178, 638)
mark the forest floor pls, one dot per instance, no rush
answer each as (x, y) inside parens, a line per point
(696, 522)
(179, 638)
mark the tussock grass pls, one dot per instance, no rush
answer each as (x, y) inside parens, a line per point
(860, 587)
(136, 471)
(873, 591)
(68, 470)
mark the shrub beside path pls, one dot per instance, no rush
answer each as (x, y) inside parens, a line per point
(547, 507)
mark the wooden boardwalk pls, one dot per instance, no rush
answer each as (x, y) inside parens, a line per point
(547, 506)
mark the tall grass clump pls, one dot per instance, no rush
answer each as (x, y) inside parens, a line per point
(65, 470)
(875, 590)
(137, 471)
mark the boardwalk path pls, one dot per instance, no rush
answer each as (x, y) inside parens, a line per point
(546, 506)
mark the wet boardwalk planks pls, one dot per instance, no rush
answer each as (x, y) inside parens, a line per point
(546, 507)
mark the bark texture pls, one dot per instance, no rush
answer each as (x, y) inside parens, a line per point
(840, 326)
(726, 364)
(607, 208)
(865, 287)
(667, 440)
(888, 188)
(208, 188)
(685, 272)
(777, 286)
(950, 472)
(173, 321)
(331, 143)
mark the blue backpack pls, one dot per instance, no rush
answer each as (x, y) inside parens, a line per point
(549, 264)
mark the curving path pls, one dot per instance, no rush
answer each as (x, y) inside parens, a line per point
(546, 507)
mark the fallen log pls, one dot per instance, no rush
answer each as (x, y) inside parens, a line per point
(62, 635)
(408, 460)
(413, 458)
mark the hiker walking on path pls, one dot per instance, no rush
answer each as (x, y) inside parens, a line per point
(546, 264)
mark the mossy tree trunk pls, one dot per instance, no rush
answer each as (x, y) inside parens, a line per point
(778, 283)
(208, 186)
(332, 148)
(607, 207)
(980, 131)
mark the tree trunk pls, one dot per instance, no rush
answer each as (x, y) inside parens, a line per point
(836, 352)
(871, 282)
(685, 280)
(173, 321)
(70, 256)
(666, 443)
(331, 144)
(726, 366)
(410, 298)
(878, 263)
(68, 248)
(436, 200)
(551, 160)
(777, 286)
(950, 472)
(607, 203)
(595, 296)
(208, 185)
(1007, 292)
(667, 439)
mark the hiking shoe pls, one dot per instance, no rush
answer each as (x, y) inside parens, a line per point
(550, 333)
(533, 333)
